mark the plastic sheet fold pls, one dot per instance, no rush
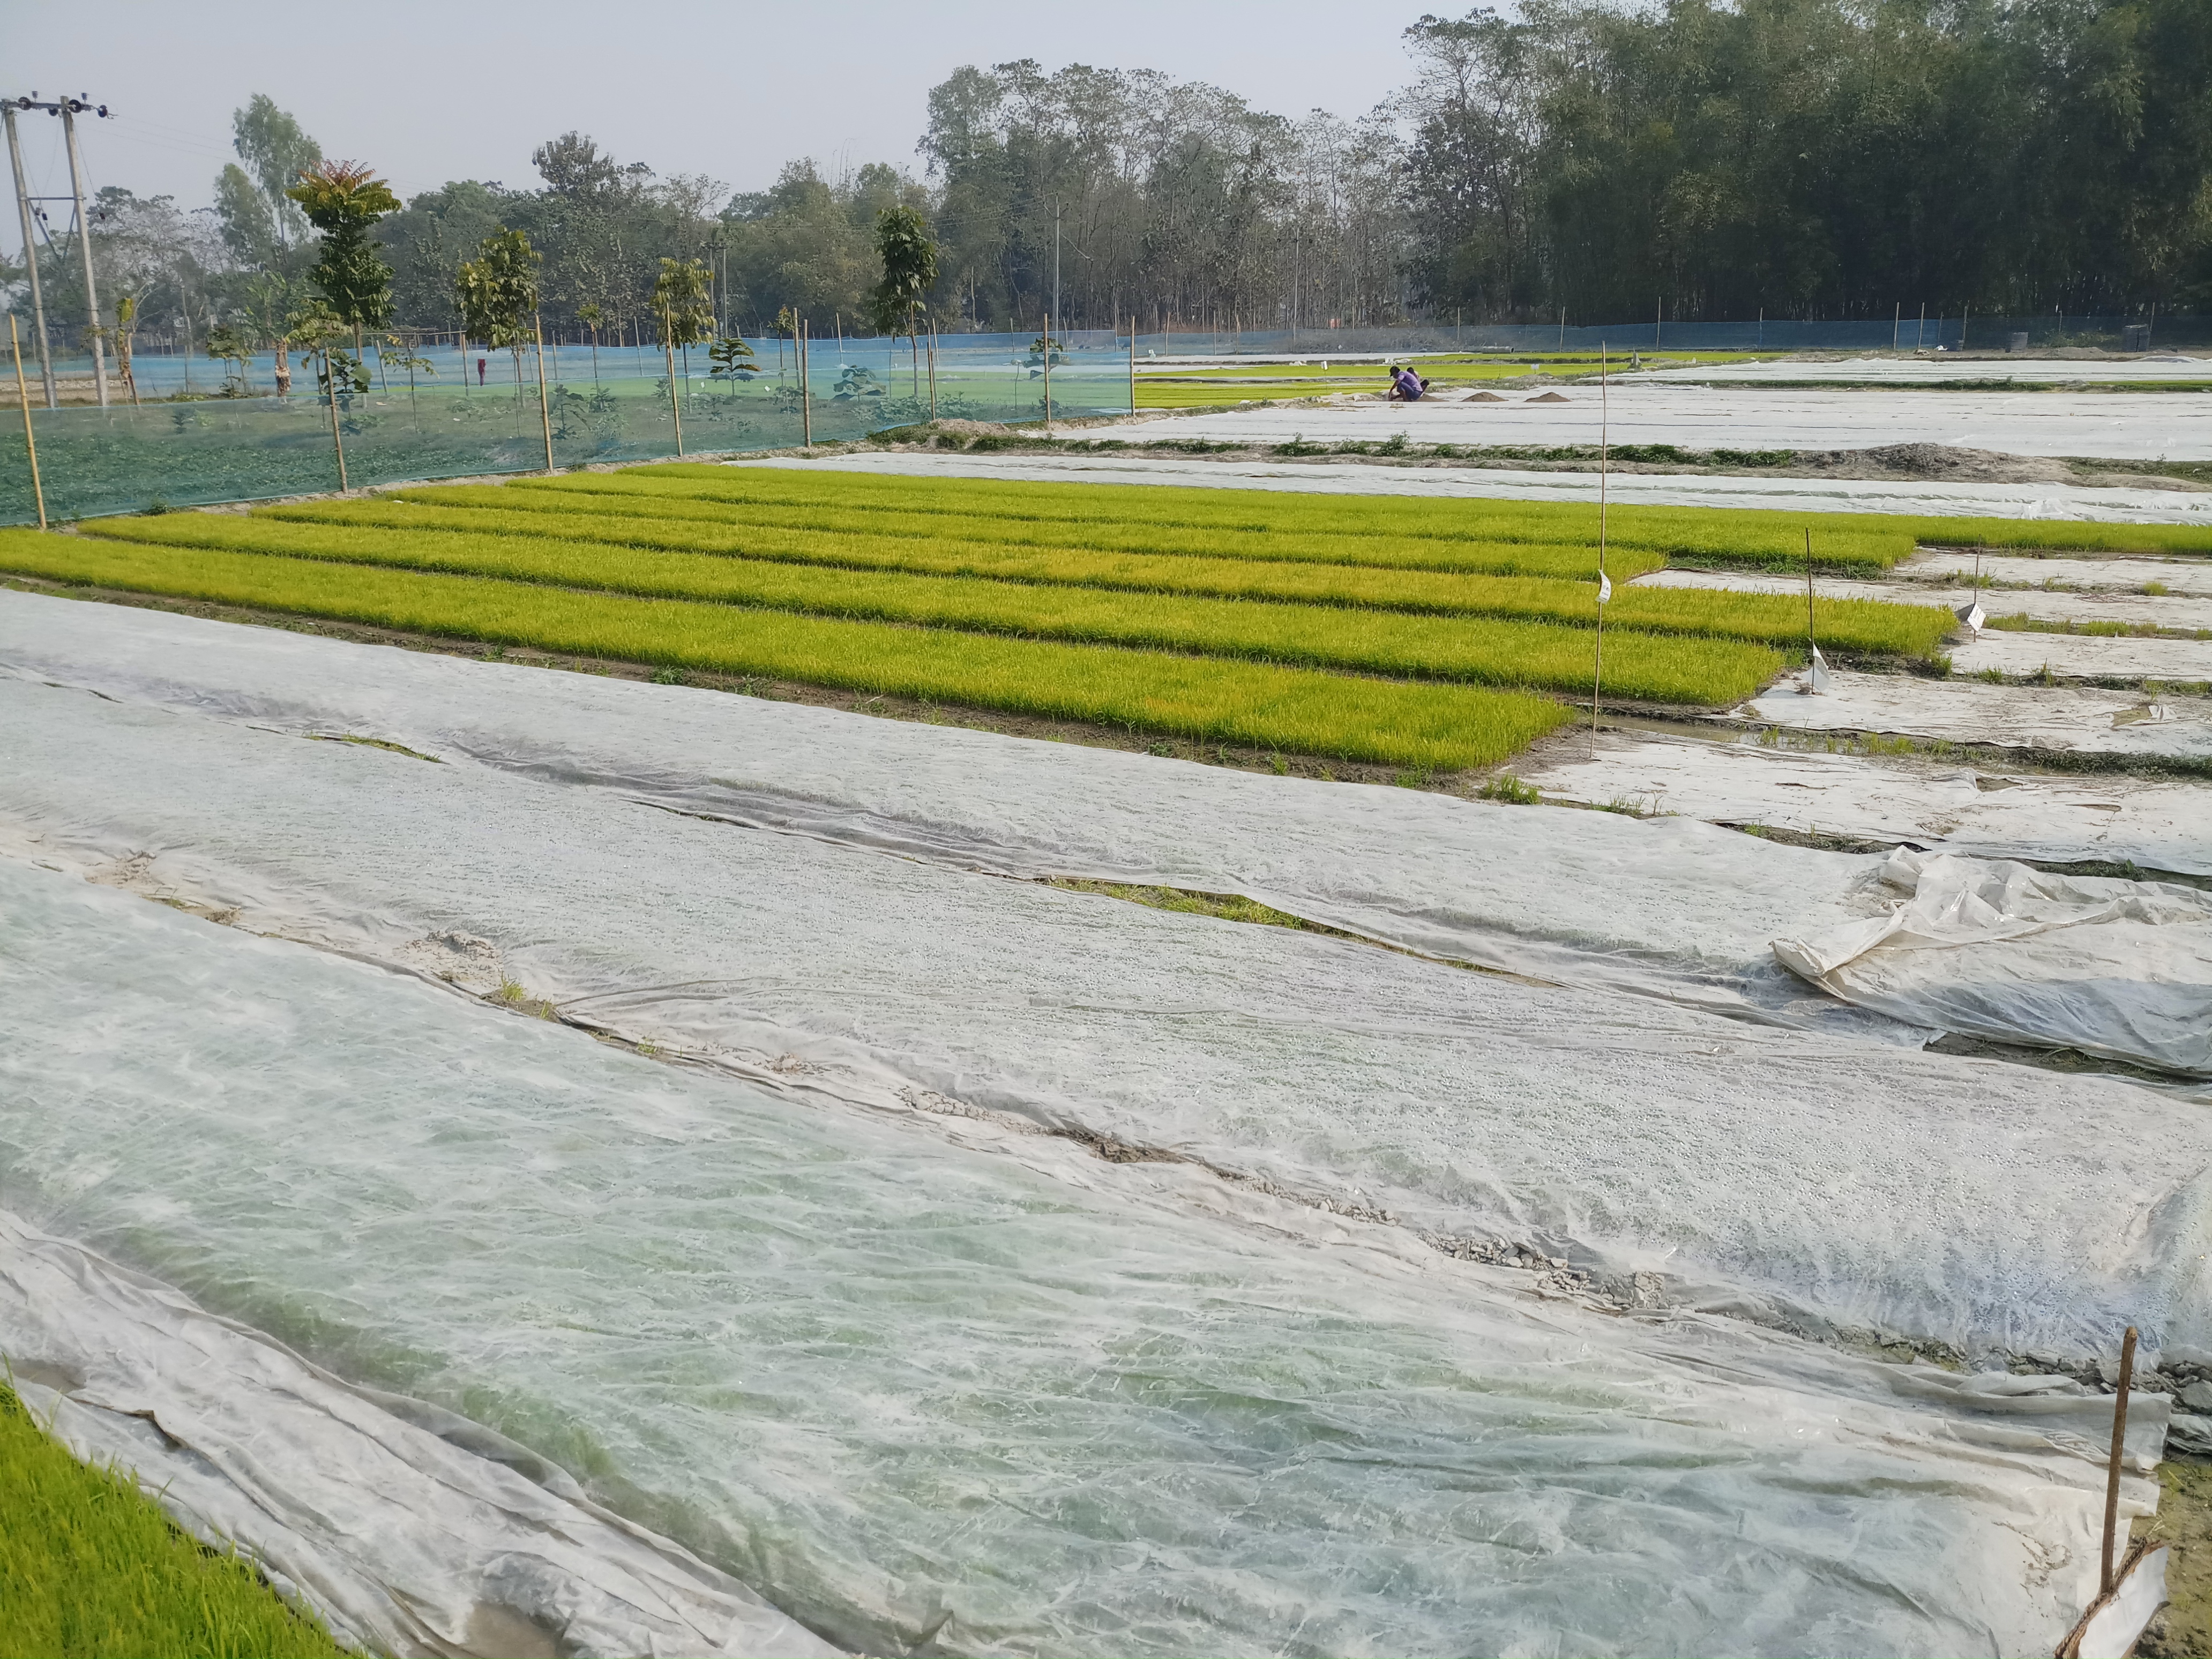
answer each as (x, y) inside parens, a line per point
(917, 1380)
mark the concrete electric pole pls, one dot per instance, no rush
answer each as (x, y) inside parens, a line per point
(30, 247)
(68, 109)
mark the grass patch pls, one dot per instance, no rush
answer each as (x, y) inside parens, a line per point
(1658, 668)
(90, 1568)
(1268, 706)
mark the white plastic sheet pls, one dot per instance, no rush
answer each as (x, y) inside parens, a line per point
(2084, 656)
(2062, 605)
(1985, 812)
(985, 1393)
(1910, 371)
(2107, 425)
(2118, 968)
(2093, 722)
(1751, 1168)
(2191, 578)
(414, 1532)
(2023, 500)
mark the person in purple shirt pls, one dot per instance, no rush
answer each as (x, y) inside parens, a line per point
(1405, 386)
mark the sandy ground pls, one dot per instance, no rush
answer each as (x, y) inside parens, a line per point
(2004, 501)
(2173, 426)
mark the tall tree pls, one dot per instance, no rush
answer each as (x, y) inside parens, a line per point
(344, 200)
(497, 293)
(909, 272)
(260, 221)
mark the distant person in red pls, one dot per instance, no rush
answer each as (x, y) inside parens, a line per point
(480, 370)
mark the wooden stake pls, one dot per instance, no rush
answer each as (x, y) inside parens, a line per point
(331, 377)
(1814, 643)
(23, 397)
(806, 396)
(544, 417)
(675, 401)
(1604, 454)
(2119, 1438)
(1048, 379)
(1133, 363)
(933, 368)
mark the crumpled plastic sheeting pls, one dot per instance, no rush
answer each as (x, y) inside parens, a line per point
(1754, 1169)
(990, 1397)
(2122, 968)
(1678, 910)
(2157, 824)
(403, 1540)
(2095, 722)
(2190, 577)
(2080, 656)
(2077, 599)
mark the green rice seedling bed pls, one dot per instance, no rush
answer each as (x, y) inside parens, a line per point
(1648, 667)
(764, 527)
(91, 1569)
(1303, 711)
(1854, 625)
(1751, 537)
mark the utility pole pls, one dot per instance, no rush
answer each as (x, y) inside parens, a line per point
(1052, 328)
(30, 249)
(68, 109)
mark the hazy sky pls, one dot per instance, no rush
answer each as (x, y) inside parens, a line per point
(426, 92)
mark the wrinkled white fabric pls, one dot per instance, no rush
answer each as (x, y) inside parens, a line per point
(2064, 603)
(2122, 968)
(1908, 371)
(2186, 576)
(1753, 1168)
(2081, 656)
(2024, 501)
(2157, 824)
(2093, 721)
(1676, 910)
(961, 1387)
(401, 1531)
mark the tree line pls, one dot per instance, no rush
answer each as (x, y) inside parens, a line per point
(1802, 158)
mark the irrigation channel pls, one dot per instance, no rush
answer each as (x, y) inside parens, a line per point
(557, 1161)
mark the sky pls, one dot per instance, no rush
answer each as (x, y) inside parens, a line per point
(427, 93)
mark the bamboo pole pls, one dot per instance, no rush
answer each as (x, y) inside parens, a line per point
(933, 368)
(1047, 380)
(338, 439)
(23, 397)
(1604, 456)
(544, 415)
(1133, 363)
(805, 393)
(675, 401)
(2113, 1474)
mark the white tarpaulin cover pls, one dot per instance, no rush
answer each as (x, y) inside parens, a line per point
(2118, 968)
(2146, 426)
(416, 1533)
(2158, 824)
(919, 1380)
(1947, 366)
(2177, 575)
(1751, 1167)
(2083, 656)
(2021, 501)
(2063, 604)
(2119, 723)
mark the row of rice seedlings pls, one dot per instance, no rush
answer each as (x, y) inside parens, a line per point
(1301, 711)
(1751, 536)
(1759, 535)
(90, 1565)
(1106, 535)
(1653, 667)
(1854, 625)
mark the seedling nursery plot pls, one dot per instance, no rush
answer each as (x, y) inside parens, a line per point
(1397, 631)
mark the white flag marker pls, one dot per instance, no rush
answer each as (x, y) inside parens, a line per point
(1604, 588)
